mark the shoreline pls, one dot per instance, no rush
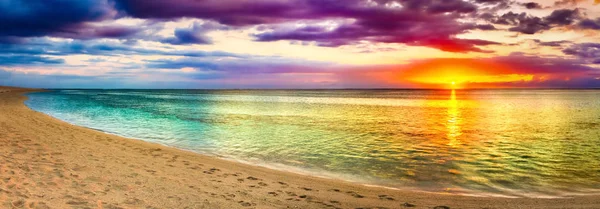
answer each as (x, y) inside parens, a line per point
(103, 170)
(329, 176)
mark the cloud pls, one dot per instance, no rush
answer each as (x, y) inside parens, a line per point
(551, 43)
(541, 71)
(590, 24)
(584, 51)
(570, 3)
(563, 16)
(194, 35)
(229, 12)
(412, 22)
(436, 37)
(250, 65)
(529, 64)
(45, 47)
(37, 80)
(532, 5)
(86, 32)
(12, 60)
(527, 24)
(66, 18)
(545, 71)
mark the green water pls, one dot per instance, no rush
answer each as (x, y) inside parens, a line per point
(483, 142)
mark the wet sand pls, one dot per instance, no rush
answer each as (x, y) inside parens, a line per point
(47, 163)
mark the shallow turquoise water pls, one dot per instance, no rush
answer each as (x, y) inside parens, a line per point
(494, 142)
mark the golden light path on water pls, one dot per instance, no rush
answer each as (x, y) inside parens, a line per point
(454, 120)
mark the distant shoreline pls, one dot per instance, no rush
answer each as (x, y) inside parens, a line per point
(56, 164)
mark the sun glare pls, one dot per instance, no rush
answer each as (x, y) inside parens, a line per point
(458, 74)
(453, 85)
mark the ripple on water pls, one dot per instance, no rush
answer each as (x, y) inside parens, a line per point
(534, 142)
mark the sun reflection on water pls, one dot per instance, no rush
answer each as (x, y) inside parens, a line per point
(453, 124)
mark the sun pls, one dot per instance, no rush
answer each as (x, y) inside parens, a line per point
(453, 85)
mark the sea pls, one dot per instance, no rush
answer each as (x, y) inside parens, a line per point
(501, 142)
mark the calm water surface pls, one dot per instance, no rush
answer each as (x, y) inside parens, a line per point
(492, 142)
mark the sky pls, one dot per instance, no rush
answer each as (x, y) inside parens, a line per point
(215, 44)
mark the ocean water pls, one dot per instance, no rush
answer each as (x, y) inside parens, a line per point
(478, 142)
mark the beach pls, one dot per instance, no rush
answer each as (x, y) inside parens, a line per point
(48, 163)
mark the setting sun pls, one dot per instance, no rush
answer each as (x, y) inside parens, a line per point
(452, 73)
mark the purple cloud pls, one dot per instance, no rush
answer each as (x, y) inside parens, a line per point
(563, 16)
(412, 22)
(584, 51)
(551, 43)
(532, 5)
(590, 24)
(528, 24)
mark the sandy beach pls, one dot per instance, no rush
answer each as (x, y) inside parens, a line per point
(47, 163)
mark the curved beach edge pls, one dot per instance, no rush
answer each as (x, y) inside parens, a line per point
(48, 163)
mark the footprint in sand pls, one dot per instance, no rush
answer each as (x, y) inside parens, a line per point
(385, 197)
(18, 203)
(354, 194)
(408, 205)
(211, 171)
(245, 204)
